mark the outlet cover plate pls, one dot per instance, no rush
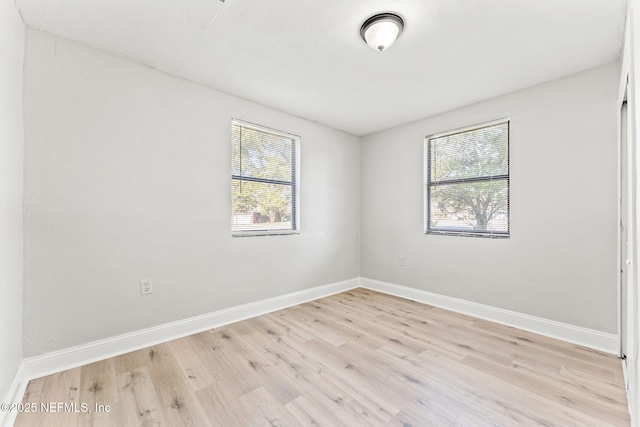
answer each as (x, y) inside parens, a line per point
(146, 287)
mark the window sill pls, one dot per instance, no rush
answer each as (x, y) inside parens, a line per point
(468, 234)
(258, 233)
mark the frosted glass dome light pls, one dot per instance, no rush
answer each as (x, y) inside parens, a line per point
(381, 31)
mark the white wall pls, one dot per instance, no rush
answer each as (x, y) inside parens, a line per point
(560, 262)
(127, 176)
(11, 154)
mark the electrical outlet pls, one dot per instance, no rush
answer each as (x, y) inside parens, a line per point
(146, 287)
(402, 261)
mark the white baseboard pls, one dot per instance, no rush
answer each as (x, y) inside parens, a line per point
(49, 363)
(14, 395)
(597, 340)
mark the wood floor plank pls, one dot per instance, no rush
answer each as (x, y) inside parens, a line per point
(582, 399)
(178, 401)
(356, 414)
(436, 394)
(197, 359)
(49, 393)
(264, 410)
(329, 388)
(309, 378)
(308, 414)
(345, 330)
(270, 377)
(272, 325)
(222, 407)
(236, 366)
(358, 358)
(98, 389)
(139, 403)
(302, 321)
(526, 405)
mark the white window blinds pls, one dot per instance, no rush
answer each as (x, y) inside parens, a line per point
(467, 185)
(263, 180)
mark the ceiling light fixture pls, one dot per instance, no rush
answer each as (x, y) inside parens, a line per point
(382, 30)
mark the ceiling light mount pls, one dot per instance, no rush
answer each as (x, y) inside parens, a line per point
(382, 30)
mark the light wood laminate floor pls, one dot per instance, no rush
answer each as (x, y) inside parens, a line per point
(359, 358)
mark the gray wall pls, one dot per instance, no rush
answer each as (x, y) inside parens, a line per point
(127, 177)
(560, 262)
(11, 154)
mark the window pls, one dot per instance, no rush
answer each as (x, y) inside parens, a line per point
(264, 190)
(467, 181)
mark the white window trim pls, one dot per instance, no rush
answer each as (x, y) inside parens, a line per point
(426, 180)
(296, 187)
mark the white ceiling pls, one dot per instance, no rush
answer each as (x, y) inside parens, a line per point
(306, 57)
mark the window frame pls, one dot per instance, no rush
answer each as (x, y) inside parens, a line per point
(295, 183)
(428, 183)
